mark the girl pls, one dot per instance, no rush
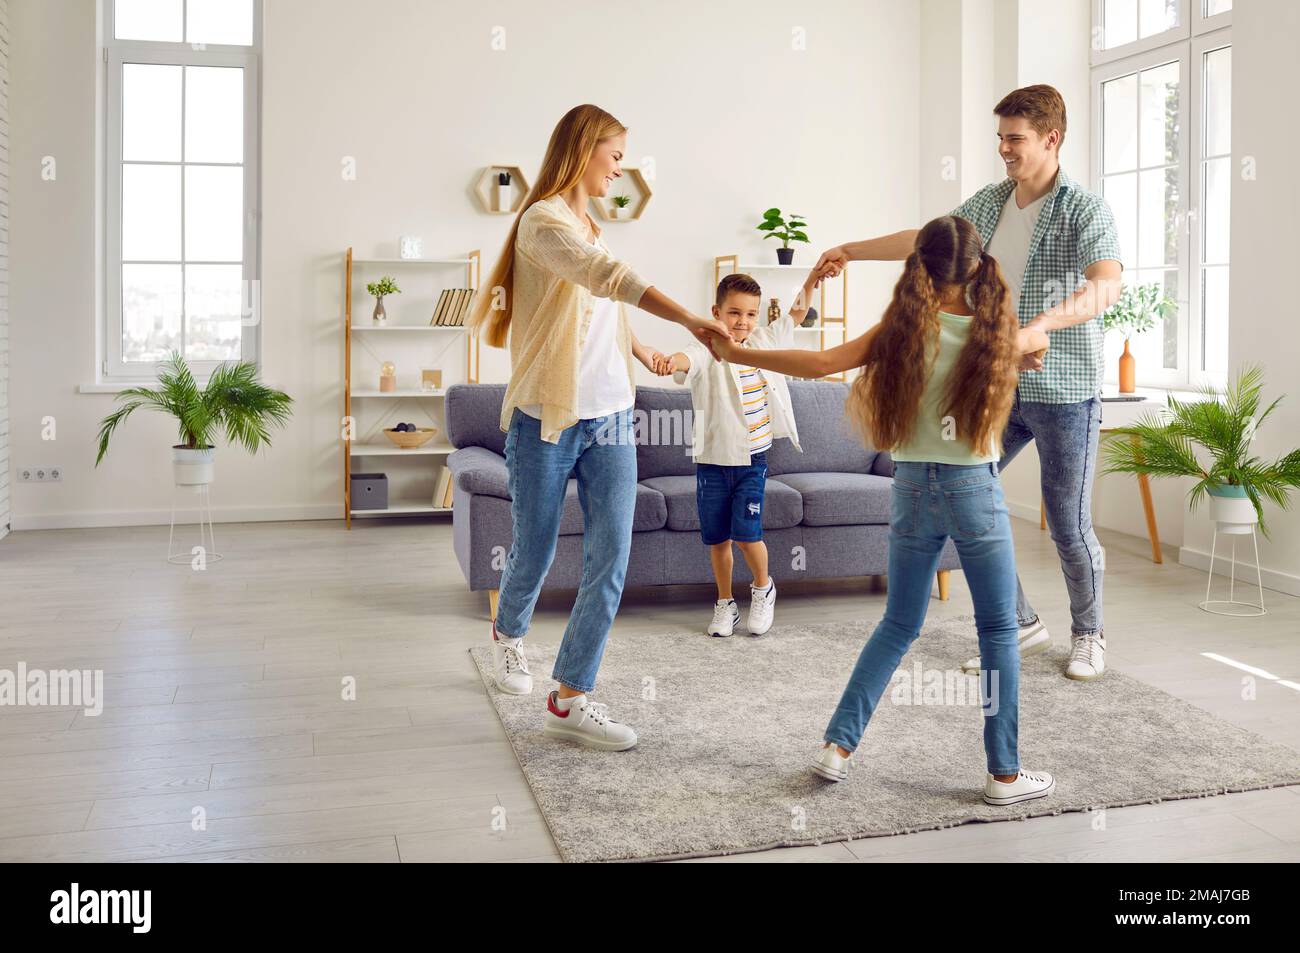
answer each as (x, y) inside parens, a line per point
(938, 376)
(559, 294)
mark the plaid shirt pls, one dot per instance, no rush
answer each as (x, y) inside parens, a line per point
(1075, 229)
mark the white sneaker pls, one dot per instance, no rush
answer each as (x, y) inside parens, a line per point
(1087, 657)
(1033, 639)
(762, 607)
(1027, 786)
(830, 764)
(587, 723)
(510, 666)
(725, 617)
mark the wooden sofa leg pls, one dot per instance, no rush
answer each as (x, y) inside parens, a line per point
(493, 594)
(943, 584)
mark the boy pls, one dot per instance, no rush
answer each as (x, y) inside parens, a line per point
(739, 411)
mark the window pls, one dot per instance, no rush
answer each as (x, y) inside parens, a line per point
(181, 242)
(1162, 158)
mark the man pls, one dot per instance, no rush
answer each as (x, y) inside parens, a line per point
(1057, 245)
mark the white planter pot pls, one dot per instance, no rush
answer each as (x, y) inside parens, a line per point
(1233, 515)
(615, 212)
(192, 467)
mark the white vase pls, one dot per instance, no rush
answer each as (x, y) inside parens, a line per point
(192, 467)
(1234, 515)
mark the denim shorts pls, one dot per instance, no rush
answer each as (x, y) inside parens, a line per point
(730, 500)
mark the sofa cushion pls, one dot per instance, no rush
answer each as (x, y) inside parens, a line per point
(829, 442)
(840, 499)
(782, 507)
(662, 417)
(473, 416)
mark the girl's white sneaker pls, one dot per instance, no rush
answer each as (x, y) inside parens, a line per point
(1033, 638)
(1027, 786)
(830, 764)
(725, 617)
(1087, 657)
(510, 665)
(586, 722)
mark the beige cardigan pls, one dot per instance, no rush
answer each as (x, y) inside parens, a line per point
(558, 274)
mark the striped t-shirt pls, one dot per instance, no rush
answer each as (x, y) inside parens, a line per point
(753, 400)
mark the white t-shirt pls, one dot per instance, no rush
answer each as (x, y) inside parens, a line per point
(603, 385)
(1010, 242)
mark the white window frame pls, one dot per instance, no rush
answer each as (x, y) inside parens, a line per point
(1187, 44)
(112, 369)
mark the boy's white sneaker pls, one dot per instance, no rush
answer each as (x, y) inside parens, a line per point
(830, 764)
(1033, 638)
(1087, 657)
(762, 608)
(725, 617)
(510, 665)
(586, 722)
(1027, 786)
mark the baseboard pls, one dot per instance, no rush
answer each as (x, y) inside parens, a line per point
(1277, 581)
(229, 514)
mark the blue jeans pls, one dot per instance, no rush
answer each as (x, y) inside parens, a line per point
(601, 453)
(931, 502)
(1067, 452)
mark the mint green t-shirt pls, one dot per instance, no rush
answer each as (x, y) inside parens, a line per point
(935, 440)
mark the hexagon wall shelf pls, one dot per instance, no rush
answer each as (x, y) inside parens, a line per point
(639, 190)
(486, 189)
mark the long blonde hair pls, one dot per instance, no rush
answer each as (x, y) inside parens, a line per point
(572, 143)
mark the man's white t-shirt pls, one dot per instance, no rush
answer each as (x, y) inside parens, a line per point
(603, 387)
(1010, 242)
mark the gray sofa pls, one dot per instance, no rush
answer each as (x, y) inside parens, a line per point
(827, 512)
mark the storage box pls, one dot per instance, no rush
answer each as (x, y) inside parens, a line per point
(369, 491)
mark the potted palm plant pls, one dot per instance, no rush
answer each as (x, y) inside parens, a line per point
(1218, 428)
(1136, 311)
(778, 227)
(233, 401)
(619, 208)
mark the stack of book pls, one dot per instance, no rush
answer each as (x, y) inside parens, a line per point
(452, 307)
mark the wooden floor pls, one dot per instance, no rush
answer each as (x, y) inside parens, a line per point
(224, 737)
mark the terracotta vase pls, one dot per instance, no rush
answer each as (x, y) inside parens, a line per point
(1127, 371)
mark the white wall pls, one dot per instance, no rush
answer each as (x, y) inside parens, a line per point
(734, 118)
(4, 268)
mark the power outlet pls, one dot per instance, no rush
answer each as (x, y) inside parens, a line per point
(40, 474)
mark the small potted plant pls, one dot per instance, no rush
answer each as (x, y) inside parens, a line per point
(619, 207)
(384, 286)
(1136, 311)
(233, 401)
(1222, 426)
(778, 227)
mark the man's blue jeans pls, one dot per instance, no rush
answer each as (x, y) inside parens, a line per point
(932, 502)
(1066, 435)
(601, 453)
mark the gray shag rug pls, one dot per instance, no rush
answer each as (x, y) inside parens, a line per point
(728, 727)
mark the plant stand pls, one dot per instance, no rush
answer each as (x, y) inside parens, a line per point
(1223, 606)
(207, 540)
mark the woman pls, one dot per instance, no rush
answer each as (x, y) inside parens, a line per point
(559, 294)
(938, 376)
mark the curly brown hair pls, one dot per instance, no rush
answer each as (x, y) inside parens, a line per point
(885, 397)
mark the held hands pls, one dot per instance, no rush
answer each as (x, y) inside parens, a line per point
(831, 263)
(708, 331)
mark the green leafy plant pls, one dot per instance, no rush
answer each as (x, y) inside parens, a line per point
(778, 227)
(384, 286)
(233, 401)
(1138, 308)
(622, 201)
(1222, 425)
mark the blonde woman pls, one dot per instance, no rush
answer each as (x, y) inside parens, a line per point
(558, 294)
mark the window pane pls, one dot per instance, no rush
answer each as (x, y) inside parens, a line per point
(1157, 16)
(1157, 218)
(1159, 115)
(1119, 124)
(1120, 22)
(151, 311)
(151, 213)
(1215, 7)
(151, 112)
(214, 114)
(1169, 331)
(1218, 102)
(213, 310)
(214, 213)
(158, 20)
(1121, 193)
(1214, 321)
(220, 21)
(1217, 208)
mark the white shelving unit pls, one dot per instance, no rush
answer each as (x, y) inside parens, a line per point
(372, 443)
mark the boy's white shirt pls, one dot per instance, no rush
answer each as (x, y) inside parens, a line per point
(719, 434)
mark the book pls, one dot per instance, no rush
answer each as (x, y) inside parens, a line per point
(439, 308)
(468, 305)
(442, 493)
(453, 309)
